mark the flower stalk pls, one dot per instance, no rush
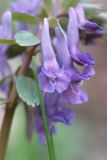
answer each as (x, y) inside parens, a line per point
(42, 107)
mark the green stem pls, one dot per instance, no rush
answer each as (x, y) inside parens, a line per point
(42, 107)
(52, 144)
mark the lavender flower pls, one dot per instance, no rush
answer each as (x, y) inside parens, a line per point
(5, 33)
(56, 112)
(90, 29)
(27, 6)
(55, 100)
(52, 77)
(73, 41)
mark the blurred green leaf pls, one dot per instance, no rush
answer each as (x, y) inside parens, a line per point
(14, 50)
(92, 10)
(3, 101)
(43, 14)
(27, 90)
(7, 41)
(67, 3)
(48, 4)
(24, 17)
(53, 22)
(24, 38)
(101, 18)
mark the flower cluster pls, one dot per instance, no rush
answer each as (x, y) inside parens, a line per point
(60, 80)
(59, 76)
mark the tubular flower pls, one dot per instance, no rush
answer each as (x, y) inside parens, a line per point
(56, 112)
(52, 77)
(73, 41)
(5, 33)
(90, 29)
(60, 80)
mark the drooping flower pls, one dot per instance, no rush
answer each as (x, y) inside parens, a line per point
(73, 94)
(73, 41)
(56, 112)
(91, 29)
(52, 77)
(65, 59)
(5, 33)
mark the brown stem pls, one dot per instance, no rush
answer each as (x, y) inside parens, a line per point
(10, 108)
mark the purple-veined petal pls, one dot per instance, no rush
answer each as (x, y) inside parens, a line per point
(84, 58)
(91, 29)
(63, 115)
(72, 32)
(80, 14)
(89, 71)
(6, 26)
(27, 6)
(63, 55)
(74, 95)
(56, 111)
(45, 84)
(50, 63)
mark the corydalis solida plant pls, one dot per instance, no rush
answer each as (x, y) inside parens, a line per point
(60, 81)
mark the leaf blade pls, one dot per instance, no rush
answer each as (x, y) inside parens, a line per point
(24, 17)
(27, 90)
(7, 41)
(24, 38)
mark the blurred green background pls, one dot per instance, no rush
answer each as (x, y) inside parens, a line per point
(86, 139)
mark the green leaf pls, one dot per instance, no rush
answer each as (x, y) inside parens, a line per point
(27, 90)
(3, 101)
(53, 22)
(92, 10)
(24, 38)
(14, 50)
(24, 17)
(48, 4)
(101, 18)
(43, 13)
(68, 3)
(7, 41)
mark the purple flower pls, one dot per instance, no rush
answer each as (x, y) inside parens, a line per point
(74, 95)
(27, 6)
(56, 112)
(73, 41)
(65, 59)
(52, 76)
(90, 29)
(5, 33)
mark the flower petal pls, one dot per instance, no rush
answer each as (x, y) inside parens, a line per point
(89, 71)
(6, 26)
(50, 63)
(74, 95)
(63, 54)
(72, 32)
(84, 58)
(45, 85)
